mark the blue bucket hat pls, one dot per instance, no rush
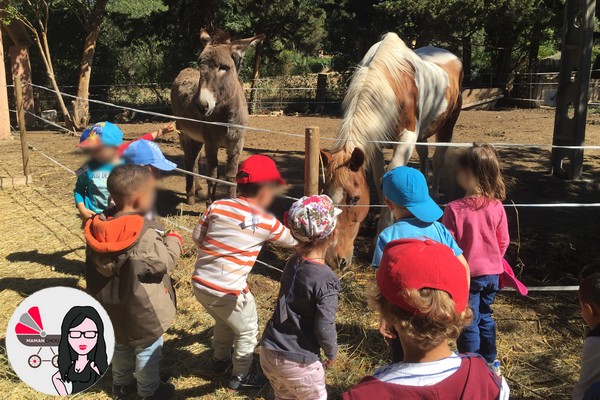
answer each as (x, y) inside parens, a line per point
(407, 187)
(145, 152)
(101, 134)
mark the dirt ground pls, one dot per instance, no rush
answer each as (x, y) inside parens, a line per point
(539, 337)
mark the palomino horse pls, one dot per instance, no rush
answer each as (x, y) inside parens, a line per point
(212, 93)
(397, 95)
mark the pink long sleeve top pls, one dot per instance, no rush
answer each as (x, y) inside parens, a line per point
(481, 231)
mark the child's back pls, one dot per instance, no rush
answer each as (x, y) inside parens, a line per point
(454, 378)
(128, 260)
(229, 235)
(481, 230)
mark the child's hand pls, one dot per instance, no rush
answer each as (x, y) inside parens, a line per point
(330, 363)
(86, 214)
(386, 330)
(168, 128)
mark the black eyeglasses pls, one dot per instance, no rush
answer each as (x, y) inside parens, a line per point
(86, 334)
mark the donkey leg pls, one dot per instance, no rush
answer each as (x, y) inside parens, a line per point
(212, 164)
(191, 150)
(234, 151)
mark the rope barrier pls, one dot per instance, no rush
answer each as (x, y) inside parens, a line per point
(265, 130)
(532, 289)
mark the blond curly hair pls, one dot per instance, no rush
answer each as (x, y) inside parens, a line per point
(436, 322)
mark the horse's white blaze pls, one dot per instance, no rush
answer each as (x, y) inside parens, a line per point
(207, 100)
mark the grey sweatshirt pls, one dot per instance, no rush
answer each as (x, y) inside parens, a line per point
(590, 364)
(304, 317)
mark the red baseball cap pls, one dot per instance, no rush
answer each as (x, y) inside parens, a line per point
(419, 264)
(259, 169)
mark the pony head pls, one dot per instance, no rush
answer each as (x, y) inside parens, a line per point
(346, 184)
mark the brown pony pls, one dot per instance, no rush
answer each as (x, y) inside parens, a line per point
(396, 95)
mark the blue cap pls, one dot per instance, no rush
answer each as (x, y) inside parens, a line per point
(145, 152)
(101, 134)
(407, 187)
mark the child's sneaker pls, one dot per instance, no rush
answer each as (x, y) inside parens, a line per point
(221, 367)
(254, 379)
(120, 392)
(495, 366)
(165, 391)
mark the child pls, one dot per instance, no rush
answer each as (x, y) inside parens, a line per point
(478, 222)
(128, 260)
(304, 318)
(416, 214)
(422, 292)
(104, 142)
(588, 387)
(229, 236)
(144, 152)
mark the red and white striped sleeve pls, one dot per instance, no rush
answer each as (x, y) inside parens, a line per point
(201, 227)
(281, 235)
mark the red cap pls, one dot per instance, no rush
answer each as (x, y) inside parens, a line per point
(259, 169)
(418, 264)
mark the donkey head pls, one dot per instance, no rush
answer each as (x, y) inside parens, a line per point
(219, 63)
(346, 184)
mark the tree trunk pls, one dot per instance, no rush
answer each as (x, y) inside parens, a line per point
(4, 116)
(81, 114)
(255, 74)
(44, 48)
(534, 49)
(20, 66)
(467, 58)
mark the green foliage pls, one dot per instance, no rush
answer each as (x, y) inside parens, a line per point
(136, 8)
(152, 40)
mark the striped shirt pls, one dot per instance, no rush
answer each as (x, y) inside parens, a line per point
(229, 235)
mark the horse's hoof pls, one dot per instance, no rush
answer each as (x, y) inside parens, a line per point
(191, 200)
(209, 202)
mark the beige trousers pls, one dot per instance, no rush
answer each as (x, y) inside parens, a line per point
(236, 325)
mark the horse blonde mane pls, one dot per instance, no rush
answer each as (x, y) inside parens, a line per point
(371, 111)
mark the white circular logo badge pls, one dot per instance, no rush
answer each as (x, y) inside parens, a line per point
(60, 341)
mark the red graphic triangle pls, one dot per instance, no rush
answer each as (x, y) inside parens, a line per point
(35, 314)
(21, 329)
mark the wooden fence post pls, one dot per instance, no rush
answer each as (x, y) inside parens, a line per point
(22, 126)
(311, 160)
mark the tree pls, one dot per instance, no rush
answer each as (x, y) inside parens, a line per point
(91, 14)
(34, 15)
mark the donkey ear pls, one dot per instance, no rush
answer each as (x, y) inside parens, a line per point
(204, 38)
(239, 47)
(357, 159)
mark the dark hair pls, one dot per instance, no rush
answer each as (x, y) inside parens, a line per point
(66, 355)
(250, 189)
(125, 180)
(482, 161)
(589, 290)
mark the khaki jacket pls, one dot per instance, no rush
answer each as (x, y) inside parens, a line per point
(128, 260)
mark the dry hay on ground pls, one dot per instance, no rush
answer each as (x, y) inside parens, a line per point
(539, 337)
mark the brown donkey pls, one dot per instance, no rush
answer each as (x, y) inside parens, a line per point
(212, 93)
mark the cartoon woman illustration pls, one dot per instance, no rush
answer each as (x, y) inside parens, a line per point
(82, 356)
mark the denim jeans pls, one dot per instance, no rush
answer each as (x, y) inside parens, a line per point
(143, 361)
(480, 336)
